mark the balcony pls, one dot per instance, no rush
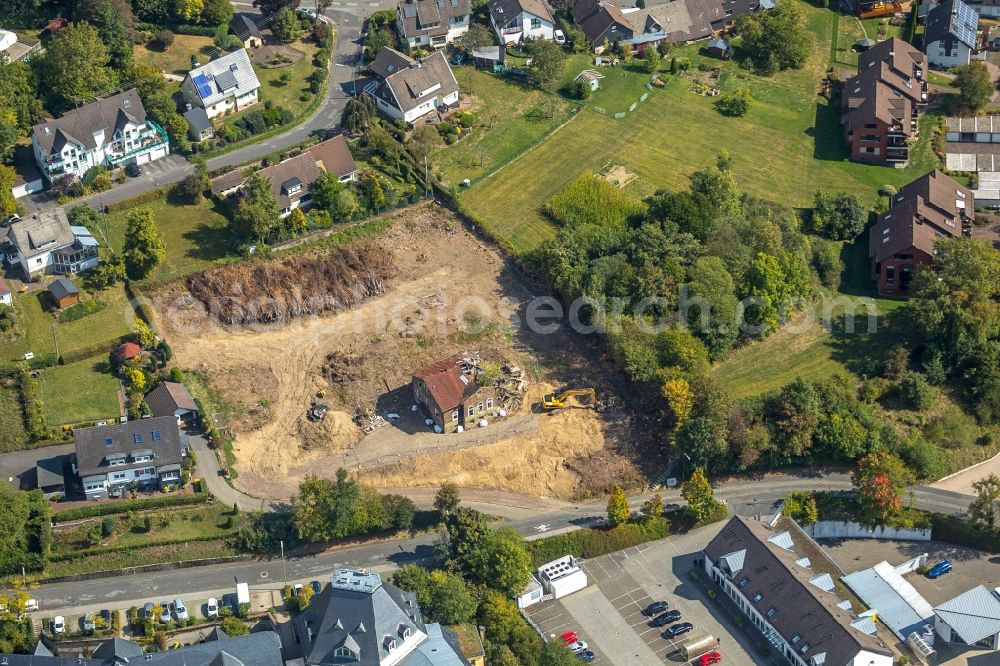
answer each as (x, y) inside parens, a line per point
(149, 141)
(512, 31)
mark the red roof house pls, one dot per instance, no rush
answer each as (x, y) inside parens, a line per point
(55, 26)
(127, 351)
(448, 391)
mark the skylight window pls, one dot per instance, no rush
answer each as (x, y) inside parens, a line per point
(757, 597)
(156, 435)
(138, 438)
(109, 441)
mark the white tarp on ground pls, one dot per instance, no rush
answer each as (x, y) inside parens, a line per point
(897, 604)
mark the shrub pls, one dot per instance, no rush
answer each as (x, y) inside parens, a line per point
(589, 200)
(123, 507)
(577, 89)
(234, 626)
(107, 527)
(916, 391)
(735, 103)
(164, 38)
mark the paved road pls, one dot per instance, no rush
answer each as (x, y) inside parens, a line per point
(349, 18)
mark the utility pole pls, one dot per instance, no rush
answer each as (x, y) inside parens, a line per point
(284, 571)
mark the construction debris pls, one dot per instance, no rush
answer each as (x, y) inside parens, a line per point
(317, 412)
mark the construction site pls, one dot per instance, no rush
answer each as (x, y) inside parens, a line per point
(404, 361)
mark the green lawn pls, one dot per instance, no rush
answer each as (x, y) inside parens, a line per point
(81, 391)
(510, 119)
(197, 237)
(621, 86)
(851, 29)
(41, 333)
(12, 432)
(177, 58)
(787, 146)
(137, 557)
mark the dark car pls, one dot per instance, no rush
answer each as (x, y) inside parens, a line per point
(458, 58)
(586, 655)
(666, 618)
(133, 170)
(675, 630)
(655, 608)
(316, 586)
(106, 616)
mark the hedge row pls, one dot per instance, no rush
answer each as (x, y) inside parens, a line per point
(124, 506)
(196, 30)
(136, 201)
(963, 533)
(593, 542)
(104, 550)
(48, 360)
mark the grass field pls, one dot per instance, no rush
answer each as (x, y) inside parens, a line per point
(508, 123)
(787, 146)
(137, 557)
(41, 333)
(620, 88)
(197, 237)
(12, 432)
(177, 58)
(851, 29)
(81, 391)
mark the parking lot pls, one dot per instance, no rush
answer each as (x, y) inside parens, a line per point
(607, 615)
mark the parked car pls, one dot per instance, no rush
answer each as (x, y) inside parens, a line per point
(655, 608)
(31, 605)
(164, 611)
(88, 622)
(939, 569)
(133, 170)
(579, 646)
(106, 616)
(296, 589)
(713, 657)
(212, 607)
(570, 637)
(458, 58)
(316, 586)
(586, 655)
(147, 610)
(180, 609)
(675, 630)
(666, 618)
(560, 37)
(58, 624)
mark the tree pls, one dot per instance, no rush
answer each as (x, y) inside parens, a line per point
(711, 285)
(984, 508)
(447, 499)
(234, 626)
(735, 103)
(164, 38)
(476, 37)
(975, 85)
(680, 399)
(839, 216)
(698, 493)
(776, 39)
(217, 12)
(793, 415)
(719, 187)
(879, 482)
(286, 26)
(358, 115)
(144, 247)
(546, 60)
(268, 7)
(191, 188)
(653, 507)
(425, 140)
(8, 204)
(652, 58)
(399, 511)
(188, 11)
(801, 507)
(618, 508)
(296, 221)
(257, 213)
(75, 65)
(113, 22)
(143, 334)
(451, 599)
(324, 509)
(558, 654)
(917, 391)
(501, 562)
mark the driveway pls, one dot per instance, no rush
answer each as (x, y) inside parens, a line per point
(207, 466)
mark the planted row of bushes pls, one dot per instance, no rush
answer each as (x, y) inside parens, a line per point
(124, 506)
(104, 550)
(593, 542)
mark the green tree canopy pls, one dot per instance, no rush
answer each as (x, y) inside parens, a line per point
(618, 508)
(325, 509)
(75, 65)
(776, 39)
(983, 509)
(698, 494)
(256, 215)
(839, 216)
(975, 85)
(144, 247)
(547, 60)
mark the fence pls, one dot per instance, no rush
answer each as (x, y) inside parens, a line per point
(621, 115)
(837, 529)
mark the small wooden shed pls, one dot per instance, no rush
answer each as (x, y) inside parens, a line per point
(64, 293)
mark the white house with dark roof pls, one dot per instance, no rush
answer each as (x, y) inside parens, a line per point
(46, 243)
(433, 23)
(225, 85)
(514, 21)
(408, 89)
(112, 132)
(950, 34)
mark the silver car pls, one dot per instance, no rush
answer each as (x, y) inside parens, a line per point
(179, 609)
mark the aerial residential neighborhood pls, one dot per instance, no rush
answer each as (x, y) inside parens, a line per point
(503, 333)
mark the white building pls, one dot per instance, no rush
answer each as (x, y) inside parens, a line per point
(432, 23)
(788, 600)
(514, 21)
(950, 34)
(225, 85)
(5, 296)
(554, 580)
(972, 618)
(45, 243)
(408, 89)
(7, 40)
(112, 132)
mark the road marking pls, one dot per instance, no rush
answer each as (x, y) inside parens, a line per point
(542, 528)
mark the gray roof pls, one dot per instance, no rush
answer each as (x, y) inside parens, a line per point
(79, 125)
(42, 232)
(244, 26)
(900, 607)
(440, 649)
(360, 612)
(225, 76)
(62, 288)
(95, 445)
(504, 11)
(413, 86)
(429, 17)
(973, 615)
(389, 61)
(50, 472)
(168, 397)
(952, 20)
(198, 119)
(117, 648)
(801, 609)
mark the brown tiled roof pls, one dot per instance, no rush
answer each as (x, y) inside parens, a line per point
(335, 156)
(801, 608)
(408, 84)
(168, 397)
(42, 232)
(389, 61)
(503, 11)
(78, 126)
(893, 62)
(302, 166)
(595, 17)
(227, 181)
(864, 103)
(429, 17)
(447, 382)
(930, 207)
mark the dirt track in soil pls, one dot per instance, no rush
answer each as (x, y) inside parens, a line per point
(452, 293)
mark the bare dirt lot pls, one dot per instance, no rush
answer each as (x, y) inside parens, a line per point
(450, 293)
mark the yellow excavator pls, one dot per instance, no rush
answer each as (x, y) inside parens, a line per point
(553, 402)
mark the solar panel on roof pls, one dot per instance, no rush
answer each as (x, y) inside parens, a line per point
(204, 90)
